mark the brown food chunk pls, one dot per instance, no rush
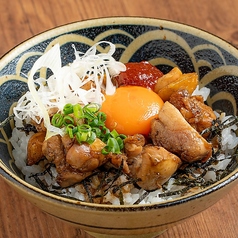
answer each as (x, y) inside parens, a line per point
(85, 157)
(67, 142)
(39, 127)
(153, 167)
(197, 114)
(117, 160)
(34, 148)
(67, 176)
(174, 133)
(134, 144)
(53, 150)
(175, 80)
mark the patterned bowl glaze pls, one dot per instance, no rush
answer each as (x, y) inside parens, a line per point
(165, 44)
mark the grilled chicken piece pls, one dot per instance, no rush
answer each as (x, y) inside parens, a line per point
(85, 157)
(197, 114)
(53, 150)
(153, 167)
(67, 142)
(134, 144)
(34, 148)
(117, 159)
(171, 131)
(67, 176)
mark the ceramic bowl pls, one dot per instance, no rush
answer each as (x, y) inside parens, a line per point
(165, 44)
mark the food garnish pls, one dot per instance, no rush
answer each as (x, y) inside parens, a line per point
(87, 123)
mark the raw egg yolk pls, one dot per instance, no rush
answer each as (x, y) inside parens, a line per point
(130, 109)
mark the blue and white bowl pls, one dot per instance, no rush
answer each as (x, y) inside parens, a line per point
(165, 44)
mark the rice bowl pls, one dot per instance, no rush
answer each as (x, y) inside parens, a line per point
(44, 176)
(175, 205)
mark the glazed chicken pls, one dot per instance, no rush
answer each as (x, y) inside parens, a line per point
(34, 148)
(134, 145)
(150, 165)
(197, 114)
(153, 166)
(74, 162)
(53, 150)
(85, 157)
(116, 160)
(171, 131)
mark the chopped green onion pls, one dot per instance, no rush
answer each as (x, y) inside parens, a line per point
(102, 117)
(122, 136)
(105, 151)
(78, 137)
(97, 131)
(120, 142)
(68, 120)
(112, 146)
(77, 109)
(75, 129)
(105, 130)
(89, 115)
(84, 128)
(94, 123)
(114, 133)
(88, 123)
(92, 137)
(92, 107)
(57, 120)
(70, 130)
(82, 136)
(68, 109)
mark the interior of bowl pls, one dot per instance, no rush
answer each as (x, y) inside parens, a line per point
(163, 43)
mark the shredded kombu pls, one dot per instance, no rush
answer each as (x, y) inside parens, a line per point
(27, 128)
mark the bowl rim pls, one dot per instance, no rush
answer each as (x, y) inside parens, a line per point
(12, 53)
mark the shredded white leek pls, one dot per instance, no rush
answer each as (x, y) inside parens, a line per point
(66, 83)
